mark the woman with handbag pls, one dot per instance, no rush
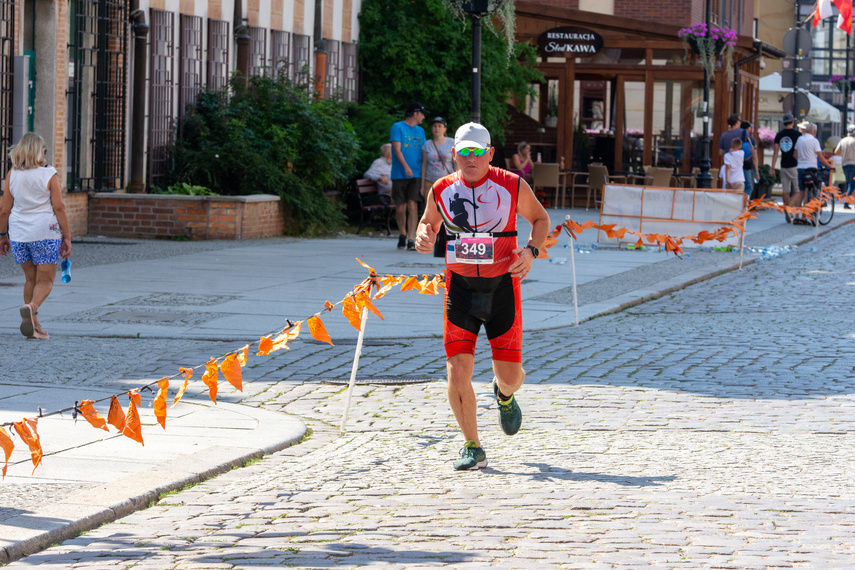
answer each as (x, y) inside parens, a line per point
(436, 163)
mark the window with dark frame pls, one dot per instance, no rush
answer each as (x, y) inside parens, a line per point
(350, 71)
(190, 66)
(333, 85)
(280, 53)
(218, 54)
(301, 52)
(161, 88)
(257, 51)
(97, 98)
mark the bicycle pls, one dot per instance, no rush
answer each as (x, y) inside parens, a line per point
(813, 186)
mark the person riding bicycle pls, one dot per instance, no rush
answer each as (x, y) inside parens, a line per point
(809, 152)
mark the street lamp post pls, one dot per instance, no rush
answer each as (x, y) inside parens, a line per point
(704, 176)
(477, 9)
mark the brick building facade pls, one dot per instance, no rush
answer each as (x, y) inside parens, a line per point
(110, 80)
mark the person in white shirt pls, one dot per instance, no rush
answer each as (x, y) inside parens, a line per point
(380, 170)
(733, 160)
(33, 225)
(809, 152)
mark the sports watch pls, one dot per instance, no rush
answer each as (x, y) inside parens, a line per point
(534, 250)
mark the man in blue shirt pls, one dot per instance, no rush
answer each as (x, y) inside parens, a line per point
(407, 139)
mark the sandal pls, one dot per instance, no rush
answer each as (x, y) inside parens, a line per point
(40, 333)
(27, 325)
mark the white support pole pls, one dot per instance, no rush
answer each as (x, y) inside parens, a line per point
(573, 272)
(356, 356)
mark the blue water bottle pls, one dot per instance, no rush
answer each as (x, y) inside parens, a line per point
(66, 270)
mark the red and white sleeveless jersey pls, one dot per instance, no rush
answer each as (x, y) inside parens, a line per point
(488, 206)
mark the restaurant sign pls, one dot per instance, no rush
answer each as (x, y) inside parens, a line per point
(570, 40)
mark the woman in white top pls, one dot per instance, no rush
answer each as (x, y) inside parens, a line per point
(436, 155)
(33, 225)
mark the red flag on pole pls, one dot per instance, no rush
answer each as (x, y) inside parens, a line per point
(844, 20)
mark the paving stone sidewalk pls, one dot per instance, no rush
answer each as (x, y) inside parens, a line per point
(711, 428)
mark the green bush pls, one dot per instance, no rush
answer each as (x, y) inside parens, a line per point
(270, 137)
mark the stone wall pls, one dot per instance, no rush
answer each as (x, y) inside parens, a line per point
(191, 217)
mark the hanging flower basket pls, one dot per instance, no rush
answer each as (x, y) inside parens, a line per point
(843, 84)
(710, 45)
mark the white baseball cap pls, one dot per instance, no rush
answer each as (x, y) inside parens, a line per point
(471, 135)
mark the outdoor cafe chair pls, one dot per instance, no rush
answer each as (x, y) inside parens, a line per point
(548, 175)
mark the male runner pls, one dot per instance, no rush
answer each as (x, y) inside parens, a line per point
(482, 284)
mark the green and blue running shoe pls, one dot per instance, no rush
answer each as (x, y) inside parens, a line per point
(510, 415)
(471, 457)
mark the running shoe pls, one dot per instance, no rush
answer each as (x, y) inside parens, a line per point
(510, 415)
(402, 242)
(411, 245)
(471, 457)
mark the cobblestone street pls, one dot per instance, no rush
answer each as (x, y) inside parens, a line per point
(711, 428)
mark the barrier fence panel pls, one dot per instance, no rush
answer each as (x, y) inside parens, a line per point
(670, 211)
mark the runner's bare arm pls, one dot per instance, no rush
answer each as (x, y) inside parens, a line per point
(429, 226)
(529, 208)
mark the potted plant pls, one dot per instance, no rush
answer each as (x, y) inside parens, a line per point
(709, 44)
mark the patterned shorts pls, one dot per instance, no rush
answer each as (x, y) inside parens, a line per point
(39, 252)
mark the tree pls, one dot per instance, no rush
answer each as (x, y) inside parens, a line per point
(415, 50)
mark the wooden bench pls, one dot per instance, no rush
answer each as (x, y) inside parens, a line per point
(373, 206)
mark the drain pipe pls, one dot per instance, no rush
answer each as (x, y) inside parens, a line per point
(136, 184)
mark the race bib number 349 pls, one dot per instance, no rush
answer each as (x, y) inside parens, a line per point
(474, 248)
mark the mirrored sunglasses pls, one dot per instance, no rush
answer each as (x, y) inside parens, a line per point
(464, 152)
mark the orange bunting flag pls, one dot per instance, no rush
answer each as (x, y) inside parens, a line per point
(411, 283)
(328, 306)
(91, 415)
(388, 282)
(133, 425)
(116, 417)
(368, 267)
(351, 312)
(160, 401)
(210, 378)
(550, 241)
(7, 446)
(432, 286)
(188, 372)
(318, 330)
(265, 346)
(230, 367)
(134, 396)
(26, 429)
(243, 355)
(363, 300)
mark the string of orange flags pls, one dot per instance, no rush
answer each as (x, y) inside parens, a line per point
(353, 303)
(229, 364)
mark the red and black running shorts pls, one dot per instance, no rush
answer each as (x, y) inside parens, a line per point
(490, 301)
